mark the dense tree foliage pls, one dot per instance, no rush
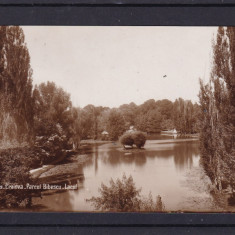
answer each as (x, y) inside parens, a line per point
(217, 99)
(116, 124)
(54, 120)
(16, 102)
(103, 120)
(52, 109)
(93, 114)
(185, 116)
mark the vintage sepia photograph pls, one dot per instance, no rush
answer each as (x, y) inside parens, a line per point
(117, 119)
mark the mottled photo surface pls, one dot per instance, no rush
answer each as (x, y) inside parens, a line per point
(120, 119)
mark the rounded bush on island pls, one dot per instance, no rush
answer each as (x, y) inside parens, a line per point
(127, 139)
(139, 139)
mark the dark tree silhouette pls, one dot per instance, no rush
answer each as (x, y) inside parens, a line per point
(16, 118)
(217, 101)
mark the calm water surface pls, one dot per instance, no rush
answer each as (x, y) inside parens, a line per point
(161, 168)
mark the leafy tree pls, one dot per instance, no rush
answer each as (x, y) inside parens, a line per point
(165, 108)
(141, 122)
(75, 127)
(150, 121)
(217, 101)
(147, 105)
(16, 103)
(206, 133)
(196, 118)
(115, 125)
(54, 121)
(167, 124)
(184, 116)
(153, 116)
(103, 120)
(85, 123)
(129, 112)
(153, 121)
(53, 108)
(93, 114)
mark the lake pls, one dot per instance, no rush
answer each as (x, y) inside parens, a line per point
(168, 167)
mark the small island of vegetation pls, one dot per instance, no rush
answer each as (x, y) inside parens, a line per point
(134, 138)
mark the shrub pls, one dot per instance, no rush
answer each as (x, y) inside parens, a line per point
(127, 139)
(15, 164)
(123, 196)
(139, 138)
(14, 170)
(51, 147)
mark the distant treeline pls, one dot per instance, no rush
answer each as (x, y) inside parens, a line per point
(150, 117)
(217, 102)
(46, 110)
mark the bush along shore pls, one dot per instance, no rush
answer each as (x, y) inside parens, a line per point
(16, 163)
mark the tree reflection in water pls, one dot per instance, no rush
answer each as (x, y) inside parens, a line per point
(182, 153)
(115, 157)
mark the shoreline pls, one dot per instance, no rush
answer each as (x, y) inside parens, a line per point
(80, 157)
(40, 172)
(65, 168)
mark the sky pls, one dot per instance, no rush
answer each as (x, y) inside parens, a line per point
(111, 66)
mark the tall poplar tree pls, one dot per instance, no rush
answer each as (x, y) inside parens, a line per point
(16, 119)
(218, 112)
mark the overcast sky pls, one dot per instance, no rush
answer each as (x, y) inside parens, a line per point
(110, 66)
